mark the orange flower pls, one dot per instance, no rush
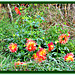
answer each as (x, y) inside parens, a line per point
(17, 10)
(22, 4)
(13, 47)
(51, 46)
(31, 45)
(41, 58)
(69, 56)
(19, 63)
(40, 55)
(63, 38)
(41, 52)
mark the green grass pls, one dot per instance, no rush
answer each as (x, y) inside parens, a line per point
(36, 25)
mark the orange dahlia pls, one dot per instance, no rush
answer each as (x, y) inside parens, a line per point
(13, 47)
(41, 52)
(31, 45)
(41, 58)
(51, 46)
(19, 63)
(17, 10)
(63, 38)
(40, 55)
(69, 56)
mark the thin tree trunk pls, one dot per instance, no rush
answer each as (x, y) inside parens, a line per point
(73, 14)
(10, 13)
(60, 12)
(0, 7)
(68, 9)
(65, 11)
(56, 6)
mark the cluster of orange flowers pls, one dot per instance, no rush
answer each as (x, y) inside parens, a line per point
(41, 54)
(31, 46)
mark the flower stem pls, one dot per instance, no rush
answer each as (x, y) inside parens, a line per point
(57, 51)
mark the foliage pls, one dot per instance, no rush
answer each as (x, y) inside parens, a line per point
(30, 25)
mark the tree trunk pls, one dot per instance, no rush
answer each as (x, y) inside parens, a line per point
(73, 14)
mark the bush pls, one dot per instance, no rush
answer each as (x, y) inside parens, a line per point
(29, 26)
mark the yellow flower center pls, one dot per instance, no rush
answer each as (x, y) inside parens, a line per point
(42, 52)
(69, 58)
(30, 43)
(13, 46)
(51, 46)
